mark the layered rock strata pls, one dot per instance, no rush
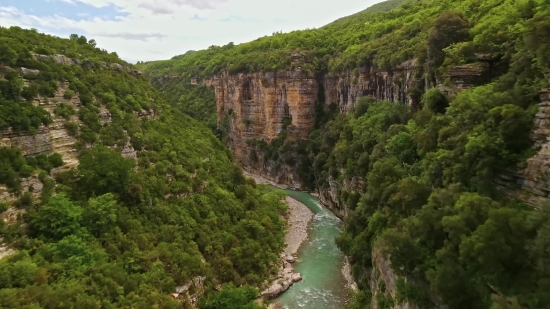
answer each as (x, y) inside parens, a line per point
(530, 182)
(397, 85)
(258, 106)
(53, 138)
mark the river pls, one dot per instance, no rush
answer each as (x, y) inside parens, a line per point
(323, 285)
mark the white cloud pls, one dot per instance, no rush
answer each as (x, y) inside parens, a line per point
(161, 29)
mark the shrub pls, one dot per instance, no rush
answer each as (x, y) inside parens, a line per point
(72, 128)
(68, 94)
(3, 207)
(56, 160)
(435, 101)
(26, 171)
(25, 200)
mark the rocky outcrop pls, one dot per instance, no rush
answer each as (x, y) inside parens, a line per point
(466, 76)
(190, 291)
(285, 279)
(395, 85)
(258, 106)
(383, 283)
(64, 60)
(330, 195)
(53, 138)
(530, 182)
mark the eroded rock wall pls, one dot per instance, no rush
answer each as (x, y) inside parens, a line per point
(53, 138)
(397, 85)
(258, 106)
(530, 182)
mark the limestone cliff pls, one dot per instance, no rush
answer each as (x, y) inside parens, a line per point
(397, 85)
(530, 182)
(255, 107)
(258, 106)
(55, 138)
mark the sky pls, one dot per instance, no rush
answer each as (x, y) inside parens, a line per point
(152, 30)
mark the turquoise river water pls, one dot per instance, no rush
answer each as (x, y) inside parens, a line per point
(320, 263)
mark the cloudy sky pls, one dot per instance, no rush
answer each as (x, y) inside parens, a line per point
(160, 29)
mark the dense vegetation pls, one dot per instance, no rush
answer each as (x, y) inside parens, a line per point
(118, 232)
(335, 46)
(429, 201)
(196, 101)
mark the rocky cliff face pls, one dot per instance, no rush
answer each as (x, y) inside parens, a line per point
(383, 283)
(397, 85)
(531, 181)
(55, 138)
(258, 106)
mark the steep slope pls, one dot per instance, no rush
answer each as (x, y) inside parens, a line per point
(112, 198)
(437, 102)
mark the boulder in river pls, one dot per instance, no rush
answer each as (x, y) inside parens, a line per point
(296, 277)
(277, 289)
(290, 259)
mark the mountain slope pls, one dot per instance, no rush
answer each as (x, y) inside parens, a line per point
(110, 197)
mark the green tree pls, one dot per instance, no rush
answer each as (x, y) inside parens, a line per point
(102, 170)
(231, 297)
(100, 214)
(57, 219)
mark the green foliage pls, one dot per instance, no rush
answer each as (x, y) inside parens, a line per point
(102, 170)
(231, 297)
(64, 110)
(414, 30)
(449, 28)
(120, 232)
(435, 101)
(197, 101)
(58, 218)
(11, 165)
(362, 106)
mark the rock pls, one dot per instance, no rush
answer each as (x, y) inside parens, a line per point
(117, 67)
(469, 75)
(5, 251)
(38, 57)
(29, 72)
(290, 259)
(296, 277)
(283, 98)
(276, 289)
(88, 64)
(62, 59)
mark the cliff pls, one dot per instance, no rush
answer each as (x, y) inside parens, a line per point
(396, 85)
(530, 182)
(259, 106)
(254, 107)
(55, 138)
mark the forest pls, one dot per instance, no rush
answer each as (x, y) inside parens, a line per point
(117, 232)
(428, 201)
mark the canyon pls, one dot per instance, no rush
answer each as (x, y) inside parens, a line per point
(259, 106)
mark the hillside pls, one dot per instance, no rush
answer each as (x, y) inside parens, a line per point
(111, 198)
(425, 128)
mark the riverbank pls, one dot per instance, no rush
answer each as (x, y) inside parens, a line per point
(311, 230)
(298, 219)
